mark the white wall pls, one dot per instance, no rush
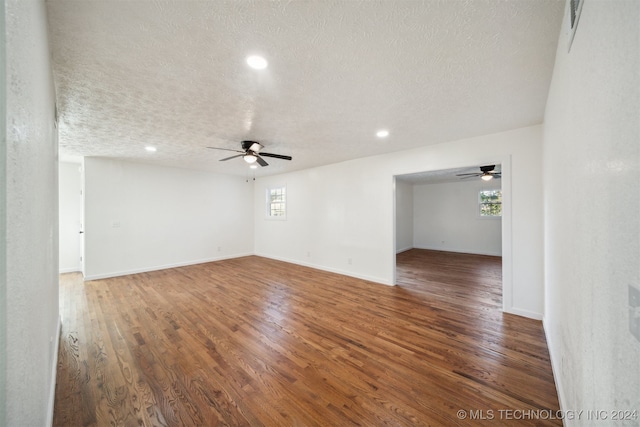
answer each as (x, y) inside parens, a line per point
(3, 222)
(29, 189)
(69, 201)
(140, 217)
(446, 218)
(345, 211)
(333, 217)
(404, 215)
(592, 210)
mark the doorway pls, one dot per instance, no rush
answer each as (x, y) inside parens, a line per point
(70, 216)
(444, 210)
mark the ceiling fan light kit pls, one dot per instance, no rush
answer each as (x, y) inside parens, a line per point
(487, 173)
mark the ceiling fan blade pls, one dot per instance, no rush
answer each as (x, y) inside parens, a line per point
(232, 157)
(469, 174)
(261, 161)
(277, 156)
(225, 149)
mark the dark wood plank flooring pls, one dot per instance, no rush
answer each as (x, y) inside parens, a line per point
(253, 342)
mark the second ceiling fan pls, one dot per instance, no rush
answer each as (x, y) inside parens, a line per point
(251, 153)
(486, 173)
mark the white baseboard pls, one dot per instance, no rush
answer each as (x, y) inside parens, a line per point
(555, 368)
(523, 313)
(329, 269)
(70, 270)
(458, 250)
(54, 372)
(160, 267)
(399, 251)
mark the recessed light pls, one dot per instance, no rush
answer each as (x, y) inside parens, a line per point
(151, 149)
(254, 166)
(257, 62)
(383, 133)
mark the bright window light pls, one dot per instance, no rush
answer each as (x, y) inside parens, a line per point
(277, 202)
(490, 203)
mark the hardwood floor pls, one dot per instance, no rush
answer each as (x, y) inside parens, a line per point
(253, 341)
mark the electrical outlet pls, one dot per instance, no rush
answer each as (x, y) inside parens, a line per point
(308, 254)
(350, 261)
(634, 311)
(219, 248)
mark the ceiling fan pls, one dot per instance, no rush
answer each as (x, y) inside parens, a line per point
(251, 153)
(486, 173)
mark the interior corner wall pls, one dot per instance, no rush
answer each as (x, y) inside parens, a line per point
(341, 217)
(70, 204)
(404, 216)
(446, 218)
(140, 217)
(30, 191)
(592, 204)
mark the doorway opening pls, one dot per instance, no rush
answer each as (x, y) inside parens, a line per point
(454, 217)
(70, 198)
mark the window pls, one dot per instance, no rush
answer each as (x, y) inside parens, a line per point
(490, 203)
(277, 202)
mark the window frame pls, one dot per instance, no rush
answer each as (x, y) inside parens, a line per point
(481, 203)
(269, 203)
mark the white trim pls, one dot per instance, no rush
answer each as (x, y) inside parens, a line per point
(394, 229)
(162, 267)
(524, 313)
(408, 248)
(555, 367)
(329, 269)
(54, 373)
(458, 250)
(70, 270)
(507, 237)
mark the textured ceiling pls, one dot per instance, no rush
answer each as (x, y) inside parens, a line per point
(172, 74)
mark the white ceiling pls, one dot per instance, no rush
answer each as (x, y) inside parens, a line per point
(172, 74)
